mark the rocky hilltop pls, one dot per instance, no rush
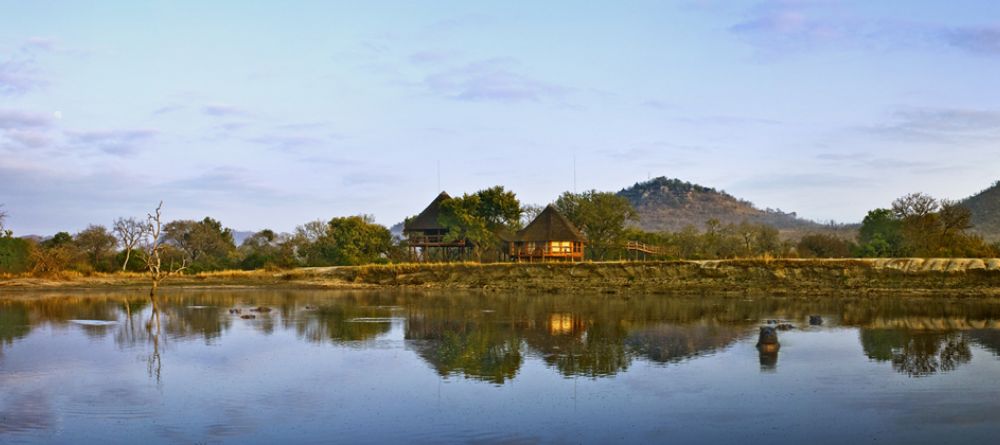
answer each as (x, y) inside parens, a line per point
(671, 204)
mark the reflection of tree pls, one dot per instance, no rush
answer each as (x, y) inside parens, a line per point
(917, 354)
(14, 324)
(342, 321)
(671, 342)
(477, 347)
(989, 339)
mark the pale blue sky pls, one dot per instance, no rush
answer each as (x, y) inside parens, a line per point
(271, 114)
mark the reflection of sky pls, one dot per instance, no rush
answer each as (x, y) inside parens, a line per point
(249, 385)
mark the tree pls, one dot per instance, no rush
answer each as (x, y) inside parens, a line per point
(914, 204)
(4, 232)
(98, 245)
(154, 254)
(529, 212)
(821, 245)
(267, 249)
(354, 240)
(130, 231)
(881, 234)
(600, 215)
(479, 218)
(499, 208)
(207, 244)
(304, 242)
(54, 254)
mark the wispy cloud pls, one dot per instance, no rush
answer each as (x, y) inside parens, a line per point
(23, 129)
(18, 76)
(38, 43)
(975, 39)
(939, 125)
(290, 142)
(120, 142)
(492, 80)
(432, 57)
(18, 119)
(223, 110)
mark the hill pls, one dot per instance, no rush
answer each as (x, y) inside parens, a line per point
(671, 204)
(985, 207)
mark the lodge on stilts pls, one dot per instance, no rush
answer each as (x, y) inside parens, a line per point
(549, 237)
(427, 237)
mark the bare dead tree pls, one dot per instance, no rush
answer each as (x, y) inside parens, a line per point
(130, 232)
(153, 249)
(3, 216)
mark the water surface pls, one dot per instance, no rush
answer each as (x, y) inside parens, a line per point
(375, 367)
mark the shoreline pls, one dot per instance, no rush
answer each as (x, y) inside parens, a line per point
(956, 277)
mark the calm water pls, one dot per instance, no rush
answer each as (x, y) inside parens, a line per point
(377, 367)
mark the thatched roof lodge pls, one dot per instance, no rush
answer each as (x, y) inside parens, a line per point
(549, 236)
(425, 234)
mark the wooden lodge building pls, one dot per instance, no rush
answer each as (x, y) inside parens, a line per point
(549, 237)
(426, 236)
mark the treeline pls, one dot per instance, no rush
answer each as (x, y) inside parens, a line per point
(916, 225)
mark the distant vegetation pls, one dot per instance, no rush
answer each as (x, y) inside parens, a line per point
(915, 225)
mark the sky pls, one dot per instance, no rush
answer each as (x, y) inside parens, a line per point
(267, 114)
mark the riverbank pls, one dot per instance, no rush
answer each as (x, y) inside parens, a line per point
(964, 277)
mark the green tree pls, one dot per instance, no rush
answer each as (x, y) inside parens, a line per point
(479, 218)
(267, 249)
(601, 216)
(97, 244)
(206, 244)
(354, 240)
(461, 216)
(881, 234)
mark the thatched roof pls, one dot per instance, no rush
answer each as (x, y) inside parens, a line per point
(550, 225)
(428, 219)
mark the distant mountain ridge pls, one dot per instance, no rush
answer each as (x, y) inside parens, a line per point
(671, 204)
(985, 207)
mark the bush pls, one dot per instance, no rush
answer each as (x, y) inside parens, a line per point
(15, 255)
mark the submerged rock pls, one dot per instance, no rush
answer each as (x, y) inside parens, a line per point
(248, 316)
(815, 320)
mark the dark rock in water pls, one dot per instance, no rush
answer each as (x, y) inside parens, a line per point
(768, 336)
(248, 317)
(234, 311)
(261, 309)
(815, 320)
(785, 327)
(772, 321)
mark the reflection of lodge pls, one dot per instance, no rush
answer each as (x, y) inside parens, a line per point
(549, 237)
(427, 237)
